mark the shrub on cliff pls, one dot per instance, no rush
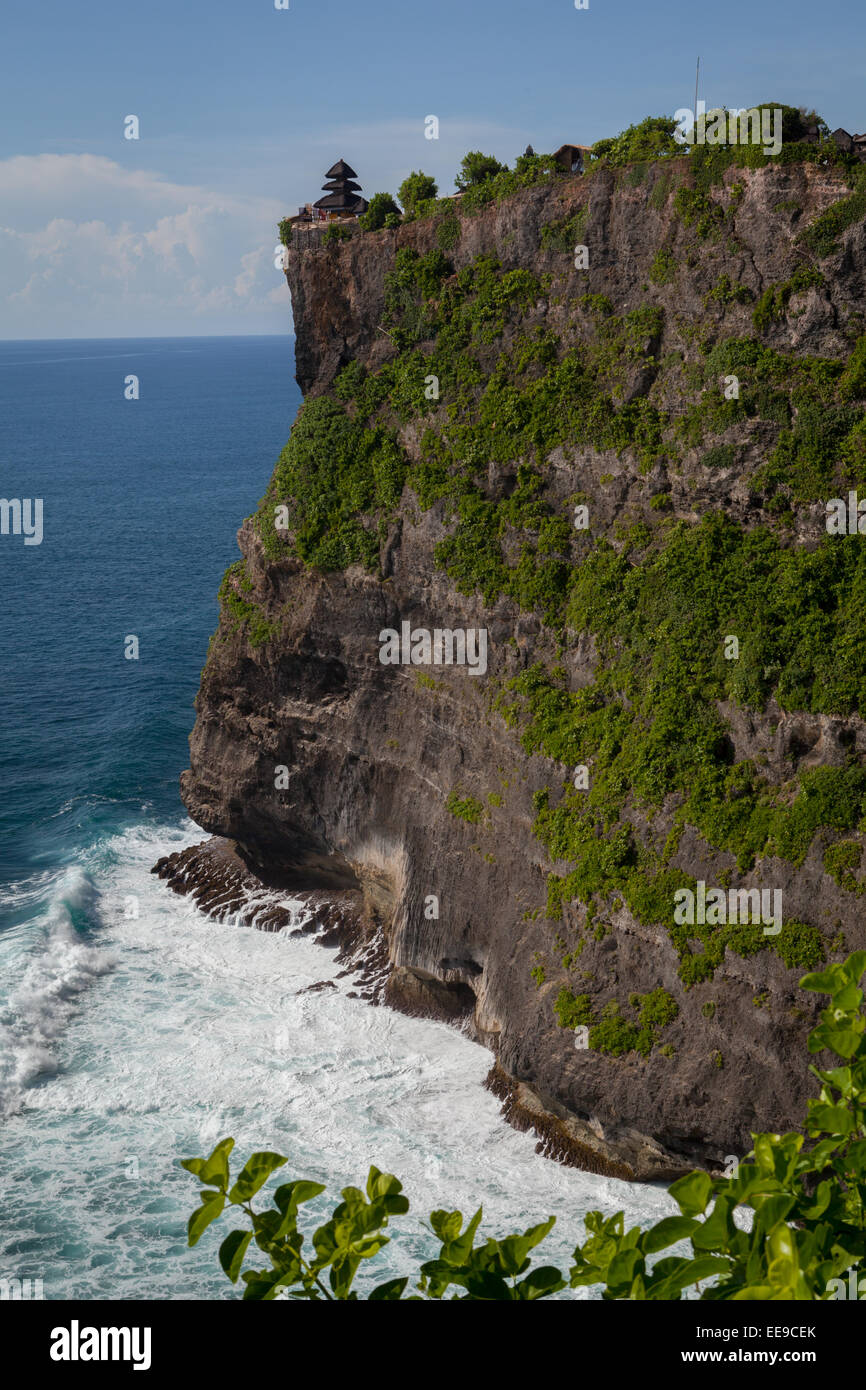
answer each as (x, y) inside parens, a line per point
(822, 235)
(533, 168)
(773, 303)
(652, 138)
(336, 233)
(417, 188)
(852, 383)
(476, 168)
(492, 187)
(409, 287)
(805, 1241)
(380, 207)
(467, 808)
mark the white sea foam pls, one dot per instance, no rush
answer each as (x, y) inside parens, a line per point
(60, 967)
(203, 1030)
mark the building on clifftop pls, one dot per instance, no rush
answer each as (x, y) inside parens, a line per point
(342, 201)
(850, 144)
(573, 158)
(342, 191)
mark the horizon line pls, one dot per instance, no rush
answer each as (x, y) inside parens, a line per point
(147, 337)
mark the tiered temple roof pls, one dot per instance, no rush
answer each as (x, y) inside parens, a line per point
(342, 191)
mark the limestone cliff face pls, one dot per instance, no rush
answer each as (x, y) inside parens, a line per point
(338, 293)
(373, 752)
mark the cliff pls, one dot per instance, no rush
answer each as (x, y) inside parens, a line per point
(626, 466)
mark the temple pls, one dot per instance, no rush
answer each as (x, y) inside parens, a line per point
(342, 200)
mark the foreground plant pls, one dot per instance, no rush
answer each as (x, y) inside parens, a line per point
(355, 1232)
(808, 1226)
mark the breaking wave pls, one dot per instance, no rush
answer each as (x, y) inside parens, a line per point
(59, 968)
(136, 1035)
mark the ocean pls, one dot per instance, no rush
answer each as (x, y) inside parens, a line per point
(133, 1030)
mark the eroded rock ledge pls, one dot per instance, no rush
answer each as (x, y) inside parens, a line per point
(215, 876)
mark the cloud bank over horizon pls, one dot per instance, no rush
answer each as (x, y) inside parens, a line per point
(91, 249)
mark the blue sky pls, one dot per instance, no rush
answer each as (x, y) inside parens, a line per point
(242, 107)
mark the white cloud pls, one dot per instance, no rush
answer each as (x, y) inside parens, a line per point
(89, 248)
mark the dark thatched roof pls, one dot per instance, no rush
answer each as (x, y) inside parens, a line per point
(341, 170)
(342, 202)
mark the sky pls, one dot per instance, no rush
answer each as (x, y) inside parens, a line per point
(243, 106)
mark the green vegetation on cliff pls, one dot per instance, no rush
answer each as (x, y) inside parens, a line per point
(244, 613)
(340, 477)
(649, 725)
(611, 1032)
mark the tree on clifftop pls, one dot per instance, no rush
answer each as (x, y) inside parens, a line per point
(381, 206)
(416, 189)
(478, 168)
(651, 139)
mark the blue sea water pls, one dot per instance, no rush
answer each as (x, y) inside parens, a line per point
(134, 1031)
